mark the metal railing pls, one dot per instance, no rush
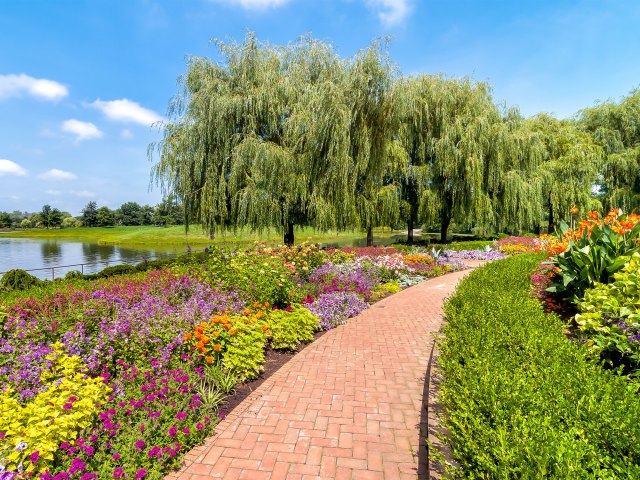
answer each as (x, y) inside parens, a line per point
(94, 267)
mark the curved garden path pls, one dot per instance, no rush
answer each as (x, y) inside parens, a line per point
(349, 406)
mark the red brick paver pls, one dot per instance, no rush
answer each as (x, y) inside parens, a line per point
(347, 407)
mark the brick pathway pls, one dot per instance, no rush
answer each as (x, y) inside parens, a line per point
(348, 406)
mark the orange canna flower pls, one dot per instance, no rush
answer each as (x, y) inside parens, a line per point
(574, 210)
(593, 215)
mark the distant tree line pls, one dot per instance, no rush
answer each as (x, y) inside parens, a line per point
(167, 212)
(279, 136)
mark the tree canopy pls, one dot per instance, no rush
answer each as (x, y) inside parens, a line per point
(279, 136)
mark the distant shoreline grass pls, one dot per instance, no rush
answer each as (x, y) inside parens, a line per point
(175, 236)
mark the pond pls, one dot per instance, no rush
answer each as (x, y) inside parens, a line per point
(54, 258)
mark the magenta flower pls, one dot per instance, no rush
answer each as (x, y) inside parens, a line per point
(118, 472)
(181, 416)
(115, 456)
(34, 457)
(139, 445)
(173, 431)
(186, 431)
(68, 406)
(199, 426)
(140, 473)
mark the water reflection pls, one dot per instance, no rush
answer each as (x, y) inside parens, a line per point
(39, 256)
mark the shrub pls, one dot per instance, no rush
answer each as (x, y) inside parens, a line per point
(112, 271)
(73, 274)
(520, 399)
(609, 318)
(18, 280)
(288, 329)
(385, 289)
(31, 432)
(592, 253)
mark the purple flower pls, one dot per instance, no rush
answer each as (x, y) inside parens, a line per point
(61, 476)
(89, 476)
(181, 416)
(173, 431)
(118, 472)
(186, 431)
(199, 426)
(139, 445)
(115, 456)
(68, 406)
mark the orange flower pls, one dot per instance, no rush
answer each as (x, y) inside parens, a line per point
(574, 210)
(217, 347)
(200, 345)
(232, 332)
(187, 337)
(209, 359)
(613, 213)
(593, 215)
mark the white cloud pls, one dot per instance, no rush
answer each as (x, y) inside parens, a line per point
(56, 174)
(82, 130)
(255, 4)
(82, 193)
(127, 111)
(52, 192)
(126, 134)
(7, 167)
(18, 85)
(391, 12)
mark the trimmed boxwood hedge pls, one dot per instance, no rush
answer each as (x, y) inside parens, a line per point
(521, 400)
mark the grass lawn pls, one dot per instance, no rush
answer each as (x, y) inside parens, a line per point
(174, 236)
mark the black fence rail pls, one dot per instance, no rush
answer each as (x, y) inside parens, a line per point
(58, 271)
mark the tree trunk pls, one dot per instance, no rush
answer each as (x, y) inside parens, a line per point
(445, 216)
(537, 229)
(410, 230)
(444, 227)
(288, 234)
(370, 236)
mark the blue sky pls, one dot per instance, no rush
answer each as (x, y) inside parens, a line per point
(81, 82)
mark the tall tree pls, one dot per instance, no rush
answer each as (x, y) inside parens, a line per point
(372, 130)
(616, 128)
(44, 215)
(259, 140)
(89, 216)
(570, 170)
(447, 130)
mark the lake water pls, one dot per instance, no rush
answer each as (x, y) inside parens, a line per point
(57, 257)
(49, 259)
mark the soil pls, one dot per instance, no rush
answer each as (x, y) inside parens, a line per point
(274, 359)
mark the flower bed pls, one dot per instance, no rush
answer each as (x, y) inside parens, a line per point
(120, 377)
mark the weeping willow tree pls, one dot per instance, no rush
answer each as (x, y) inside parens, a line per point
(447, 128)
(370, 78)
(259, 140)
(516, 153)
(616, 128)
(570, 169)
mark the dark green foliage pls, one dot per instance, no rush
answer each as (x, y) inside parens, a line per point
(113, 271)
(73, 274)
(18, 280)
(521, 399)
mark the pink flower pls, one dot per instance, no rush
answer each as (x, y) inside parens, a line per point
(118, 473)
(139, 445)
(140, 473)
(173, 431)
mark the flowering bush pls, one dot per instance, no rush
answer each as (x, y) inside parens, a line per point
(486, 255)
(289, 328)
(516, 245)
(592, 253)
(335, 308)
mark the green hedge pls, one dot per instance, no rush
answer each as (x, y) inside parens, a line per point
(521, 400)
